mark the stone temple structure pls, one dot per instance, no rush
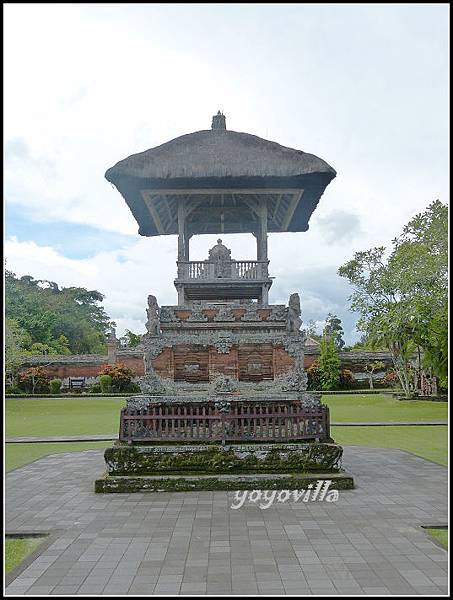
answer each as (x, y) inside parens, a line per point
(223, 367)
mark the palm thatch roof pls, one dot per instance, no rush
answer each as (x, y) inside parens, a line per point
(220, 173)
(218, 154)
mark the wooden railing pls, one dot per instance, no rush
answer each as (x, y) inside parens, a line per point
(236, 269)
(238, 421)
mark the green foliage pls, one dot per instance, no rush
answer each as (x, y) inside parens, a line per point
(120, 374)
(371, 367)
(334, 330)
(14, 389)
(50, 320)
(105, 382)
(130, 339)
(311, 330)
(329, 364)
(34, 380)
(314, 376)
(55, 386)
(402, 298)
(347, 379)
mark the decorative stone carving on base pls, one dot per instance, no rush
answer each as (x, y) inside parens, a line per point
(224, 314)
(152, 385)
(223, 384)
(197, 316)
(278, 313)
(251, 314)
(167, 314)
(294, 381)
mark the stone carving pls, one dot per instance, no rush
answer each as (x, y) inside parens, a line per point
(197, 316)
(220, 256)
(251, 314)
(138, 403)
(223, 384)
(294, 321)
(167, 314)
(152, 312)
(222, 405)
(225, 314)
(152, 384)
(278, 313)
(223, 344)
(310, 400)
(294, 381)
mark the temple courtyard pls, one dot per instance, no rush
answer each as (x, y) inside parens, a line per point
(371, 541)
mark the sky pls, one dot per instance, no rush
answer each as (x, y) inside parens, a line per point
(362, 86)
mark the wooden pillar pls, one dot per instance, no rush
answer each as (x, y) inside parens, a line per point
(181, 230)
(261, 238)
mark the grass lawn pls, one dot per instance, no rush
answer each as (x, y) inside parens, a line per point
(52, 416)
(382, 407)
(17, 455)
(16, 550)
(441, 535)
(425, 441)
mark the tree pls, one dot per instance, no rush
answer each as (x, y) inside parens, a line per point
(370, 368)
(334, 330)
(60, 321)
(402, 298)
(311, 330)
(329, 364)
(15, 340)
(130, 339)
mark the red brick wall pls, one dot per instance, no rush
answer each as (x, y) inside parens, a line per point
(283, 362)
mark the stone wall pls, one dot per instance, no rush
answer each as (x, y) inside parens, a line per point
(88, 366)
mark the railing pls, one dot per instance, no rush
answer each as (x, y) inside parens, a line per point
(285, 420)
(236, 269)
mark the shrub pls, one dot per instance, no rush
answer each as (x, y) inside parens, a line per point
(314, 376)
(34, 380)
(106, 383)
(121, 376)
(329, 364)
(134, 388)
(14, 389)
(55, 386)
(347, 380)
(391, 379)
(94, 388)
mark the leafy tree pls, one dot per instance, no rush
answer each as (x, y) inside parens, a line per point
(34, 380)
(312, 331)
(402, 299)
(329, 364)
(60, 321)
(334, 330)
(370, 368)
(15, 341)
(130, 339)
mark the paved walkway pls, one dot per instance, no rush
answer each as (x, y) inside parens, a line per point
(369, 542)
(113, 436)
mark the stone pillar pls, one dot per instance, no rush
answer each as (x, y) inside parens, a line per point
(112, 347)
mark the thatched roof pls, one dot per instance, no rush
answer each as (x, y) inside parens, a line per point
(216, 171)
(218, 154)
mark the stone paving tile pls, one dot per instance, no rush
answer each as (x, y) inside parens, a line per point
(368, 543)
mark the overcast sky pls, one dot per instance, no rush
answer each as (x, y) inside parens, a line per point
(365, 87)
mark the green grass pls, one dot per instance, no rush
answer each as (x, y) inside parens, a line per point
(63, 417)
(382, 407)
(429, 442)
(17, 455)
(16, 550)
(441, 535)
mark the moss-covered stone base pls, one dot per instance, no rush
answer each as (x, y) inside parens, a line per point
(189, 483)
(122, 459)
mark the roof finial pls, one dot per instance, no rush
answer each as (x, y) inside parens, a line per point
(218, 122)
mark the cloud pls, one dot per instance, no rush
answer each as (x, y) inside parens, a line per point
(145, 266)
(340, 226)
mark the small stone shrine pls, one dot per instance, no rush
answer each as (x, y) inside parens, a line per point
(224, 402)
